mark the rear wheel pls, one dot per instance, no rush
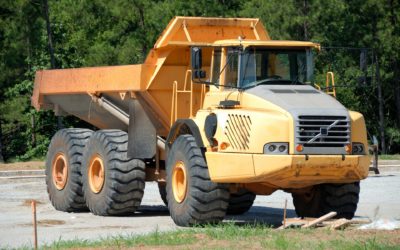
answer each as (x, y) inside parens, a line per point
(63, 169)
(113, 184)
(325, 198)
(240, 202)
(192, 197)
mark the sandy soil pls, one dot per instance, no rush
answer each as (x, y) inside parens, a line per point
(378, 199)
(29, 165)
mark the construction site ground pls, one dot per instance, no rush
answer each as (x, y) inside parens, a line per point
(22, 182)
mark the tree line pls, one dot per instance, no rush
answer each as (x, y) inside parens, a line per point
(41, 34)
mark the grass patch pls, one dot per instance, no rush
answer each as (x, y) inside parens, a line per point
(248, 236)
(389, 157)
(16, 159)
(156, 238)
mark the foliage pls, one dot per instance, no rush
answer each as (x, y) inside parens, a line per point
(93, 33)
(390, 157)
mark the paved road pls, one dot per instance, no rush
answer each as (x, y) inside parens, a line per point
(379, 198)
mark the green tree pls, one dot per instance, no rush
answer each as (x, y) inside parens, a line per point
(94, 33)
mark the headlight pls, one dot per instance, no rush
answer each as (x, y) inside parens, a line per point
(358, 148)
(276, 148)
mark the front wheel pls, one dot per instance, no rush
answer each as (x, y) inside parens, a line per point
(325, 198)
(192, 197)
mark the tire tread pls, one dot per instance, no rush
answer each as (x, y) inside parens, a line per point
(74, 140)
(125, 181)
(206, 201)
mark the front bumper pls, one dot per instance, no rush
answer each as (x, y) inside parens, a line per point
(286, 171)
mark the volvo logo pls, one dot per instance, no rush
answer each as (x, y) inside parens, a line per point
(323, 132)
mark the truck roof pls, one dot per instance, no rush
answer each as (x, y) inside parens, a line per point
(269, 43)
(247, 43)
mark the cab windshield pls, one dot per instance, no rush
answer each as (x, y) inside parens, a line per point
(255, 66)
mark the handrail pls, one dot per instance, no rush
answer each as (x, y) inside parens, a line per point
(176, 91)
(330, 84)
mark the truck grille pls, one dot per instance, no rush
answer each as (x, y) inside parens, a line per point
(323, 131)
(237, 130)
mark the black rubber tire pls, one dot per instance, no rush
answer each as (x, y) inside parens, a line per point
(205, 201)
(240, 202)
(124, 178)
(163, 192)
(325, 198)
(70, 142)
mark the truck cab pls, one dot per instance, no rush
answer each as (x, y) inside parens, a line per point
(271, 119)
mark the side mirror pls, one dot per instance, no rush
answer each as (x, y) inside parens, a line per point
(196, 56)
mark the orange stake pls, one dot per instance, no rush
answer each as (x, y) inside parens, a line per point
(33, 205)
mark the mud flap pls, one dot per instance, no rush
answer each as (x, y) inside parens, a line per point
(142, 137)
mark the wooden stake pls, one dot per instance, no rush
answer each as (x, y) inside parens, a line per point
(33, 205)
(284, 214)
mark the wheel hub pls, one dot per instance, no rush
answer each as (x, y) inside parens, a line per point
(179, 182)
(96, 174)
(60, 171)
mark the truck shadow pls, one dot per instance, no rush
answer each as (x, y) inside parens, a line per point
(266, 216)
(256, 215)
(381, 175)
(154, 210)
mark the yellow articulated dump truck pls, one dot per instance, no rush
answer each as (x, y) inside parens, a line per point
(217, 114)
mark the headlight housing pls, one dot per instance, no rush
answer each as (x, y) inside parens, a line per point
(276, 148)
(358, 148)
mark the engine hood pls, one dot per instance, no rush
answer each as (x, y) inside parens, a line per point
(321, 123)
(300, 100)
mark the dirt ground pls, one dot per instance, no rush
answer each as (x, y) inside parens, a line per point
(378, 199)
(314, 237)
(288, 239)
(29, 165)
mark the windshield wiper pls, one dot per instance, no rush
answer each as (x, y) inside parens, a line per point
(297, 82)
(216, 84)
(268, 81)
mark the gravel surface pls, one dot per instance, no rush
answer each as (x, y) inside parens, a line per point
(378, 199)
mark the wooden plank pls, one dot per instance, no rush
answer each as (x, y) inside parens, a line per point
(329, 222)
(360, 221)
(320, 219)
(340, 223)
(293, 222)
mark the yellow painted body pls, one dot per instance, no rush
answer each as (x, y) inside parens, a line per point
(273, 124)
(286, 171)
(164, 85)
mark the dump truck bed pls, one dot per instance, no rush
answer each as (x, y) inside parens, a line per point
(71, 91)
